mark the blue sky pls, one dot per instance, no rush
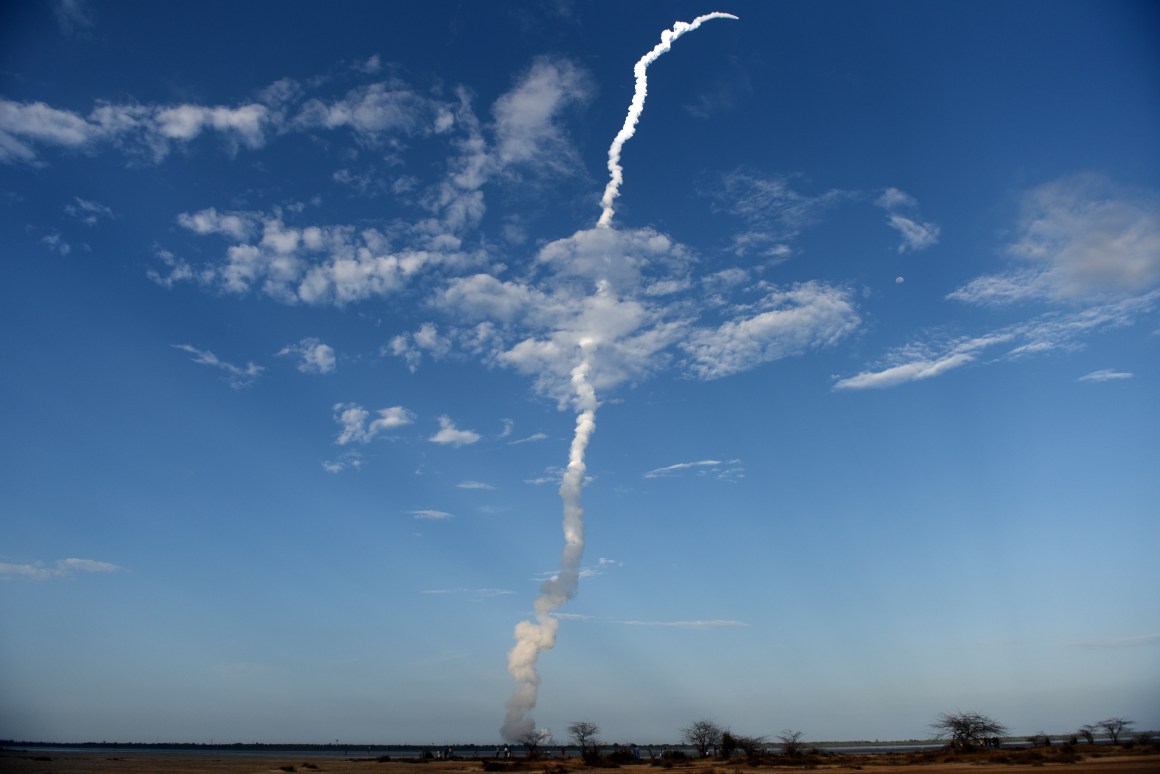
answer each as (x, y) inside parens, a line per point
(294, 311)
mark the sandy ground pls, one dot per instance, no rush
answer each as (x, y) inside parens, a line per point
(98, 763)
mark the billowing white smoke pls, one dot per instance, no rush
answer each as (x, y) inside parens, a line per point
(540, 635)
(534, 637)
(636, 107)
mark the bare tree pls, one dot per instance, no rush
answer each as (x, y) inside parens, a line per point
(1115, 727)
(966, 729)
(752, 746)
(584, 732)
(1088, 732)
(791, 742)
(702, 734)
(532, 741)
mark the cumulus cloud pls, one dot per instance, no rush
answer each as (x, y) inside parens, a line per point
(412, 346)
(314, 357)
(238, 377)
(26, 124)
(61, 568)
(352, 418)
(151, 129)
(1080, 240)
(450, 435)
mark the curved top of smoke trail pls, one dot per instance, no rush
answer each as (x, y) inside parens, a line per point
(636, 107)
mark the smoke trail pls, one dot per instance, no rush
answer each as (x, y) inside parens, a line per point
(534, 637)
(636, 107)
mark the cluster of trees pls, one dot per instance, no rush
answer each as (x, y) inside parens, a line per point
(963, 730)
(705, 735)
(1113, 727)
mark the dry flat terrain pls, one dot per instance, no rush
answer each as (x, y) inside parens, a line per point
(97, 762)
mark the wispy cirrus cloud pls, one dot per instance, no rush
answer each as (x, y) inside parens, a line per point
(916, 234)
(475, 594)
(61, 568)
(474, 485)
(73, 16)
(1136, 641)
(1106, 375)
(88, 212)
(430, 514)
(725, 470)
(238, 377)
(705, 624)
(533, 438)
(350, 460)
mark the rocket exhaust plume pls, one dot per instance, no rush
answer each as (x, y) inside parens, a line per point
(534, 637)
(636, 107)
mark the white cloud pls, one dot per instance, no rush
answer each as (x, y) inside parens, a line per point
(314, 356)
(474, 485)
(353, 420)
(708, 624)
(235, 376)
(87, 212)
(773, 204)
(428, 514)
(681, 466)
(529, 439)
(374, 112)
(894, 198)
(787, 322)
(1051, 331)
(1105, 375)
(411, 346)
(722, 470)
(185, 122)
(526, 118)
(22, 123)
(450, 435)
(179, 270)
(72, 15)
(350, 460)
(913, 371)
(1080, 239)
(62, 568)
(236, 226)
(56, 243)
(915, 235)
